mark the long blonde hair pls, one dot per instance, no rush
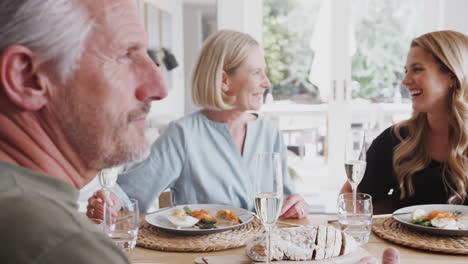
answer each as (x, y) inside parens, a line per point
(450, 51)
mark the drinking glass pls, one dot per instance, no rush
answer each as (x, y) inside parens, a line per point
(355, 215)
(355, 158)
(107, 179)
(268, 191)
(124, 230)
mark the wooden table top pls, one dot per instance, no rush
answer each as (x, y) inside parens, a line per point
(376, 246)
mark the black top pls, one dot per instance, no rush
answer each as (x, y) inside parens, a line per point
(380, 182)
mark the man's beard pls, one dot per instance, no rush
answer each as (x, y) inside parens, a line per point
(101, 139)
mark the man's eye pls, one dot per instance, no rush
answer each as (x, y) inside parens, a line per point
(417, 69)
(125, 57)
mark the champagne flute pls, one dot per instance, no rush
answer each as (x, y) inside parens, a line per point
(268, 192)
(355, 160)
(107, 179)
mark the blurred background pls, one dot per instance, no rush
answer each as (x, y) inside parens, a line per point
(335, 66)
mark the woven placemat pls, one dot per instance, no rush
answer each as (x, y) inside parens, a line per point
(154, 238)
(394, 231)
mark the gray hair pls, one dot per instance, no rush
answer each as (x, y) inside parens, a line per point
(56, 30)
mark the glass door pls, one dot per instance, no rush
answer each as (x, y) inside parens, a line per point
(335, 65)
(377, 97)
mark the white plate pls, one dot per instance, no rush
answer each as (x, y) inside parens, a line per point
(159, 219)
(405, 219)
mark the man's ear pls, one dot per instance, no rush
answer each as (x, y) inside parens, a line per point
(19, 78)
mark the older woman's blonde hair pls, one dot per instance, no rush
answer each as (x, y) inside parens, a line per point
(225, 51)
(450, 51)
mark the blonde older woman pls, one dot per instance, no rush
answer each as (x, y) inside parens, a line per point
(424, 160)
(208, 156)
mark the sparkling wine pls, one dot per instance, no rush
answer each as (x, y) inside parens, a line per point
(355, 171)
(268, 205)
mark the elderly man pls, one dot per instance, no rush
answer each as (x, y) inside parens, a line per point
(76, 84)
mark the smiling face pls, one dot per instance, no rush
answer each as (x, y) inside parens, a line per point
(428, 85)
(248, 82)
(103, 107)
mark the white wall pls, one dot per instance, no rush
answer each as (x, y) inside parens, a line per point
(456, 15)
(173, 104)
(241, 15)
(198, 19)
(446, 15)
(433, 15)
(193, 35)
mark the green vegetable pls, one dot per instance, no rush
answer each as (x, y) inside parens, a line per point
(457, 213)
(206, 224)
(187, 210)
(422, 221)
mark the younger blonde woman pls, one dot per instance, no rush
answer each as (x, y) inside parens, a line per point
(424, 160)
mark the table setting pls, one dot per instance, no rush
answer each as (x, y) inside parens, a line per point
(168, 236)
(158, 233)
(399, 228)
(171, 229)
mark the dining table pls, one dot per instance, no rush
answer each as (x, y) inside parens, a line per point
(375, 247)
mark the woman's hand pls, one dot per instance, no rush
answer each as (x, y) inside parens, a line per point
(95, 208)
(294, 206)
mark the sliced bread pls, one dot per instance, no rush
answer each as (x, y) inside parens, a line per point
(321, 242)
(349, 244)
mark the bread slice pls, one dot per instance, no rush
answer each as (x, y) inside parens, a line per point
(313, 240)
(321, 242)
(256, 247)
(349, 244)
(302, 243)
(299, 242)
(338, 243)
(330, 245)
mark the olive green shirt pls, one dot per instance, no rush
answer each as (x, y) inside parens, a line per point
(40, 222)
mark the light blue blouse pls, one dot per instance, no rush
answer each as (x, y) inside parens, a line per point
(198, 160)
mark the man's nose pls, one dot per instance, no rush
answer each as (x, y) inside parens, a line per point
(154, 88)
(159, 90)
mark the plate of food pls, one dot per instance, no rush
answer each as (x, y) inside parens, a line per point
(440, 219)
(199, 219)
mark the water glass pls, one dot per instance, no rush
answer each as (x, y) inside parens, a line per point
(355, 216)
(124, 230)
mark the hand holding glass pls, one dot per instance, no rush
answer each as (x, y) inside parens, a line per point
(268, 191)
(107, 179)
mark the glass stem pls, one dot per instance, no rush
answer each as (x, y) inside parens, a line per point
(354, 199)
(268, 243)
(107, 217)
